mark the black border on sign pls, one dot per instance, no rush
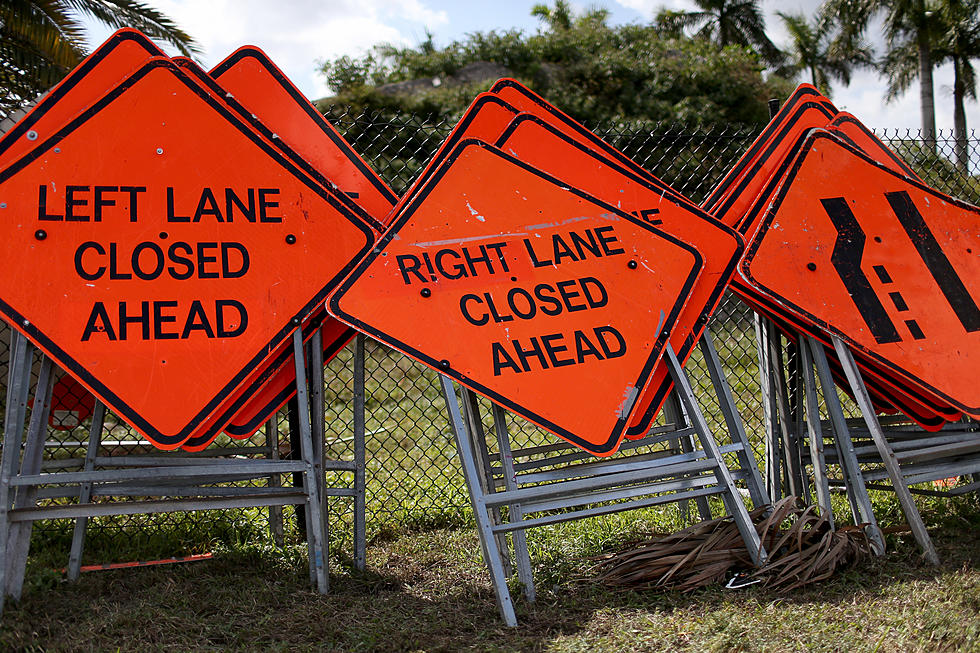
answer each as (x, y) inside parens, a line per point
(767, 222)
(590, 136)
(716, 292)
(789, 105)
(455, 136)
(72, 79)
(656, 351)
(110, 398)
(190, 66)
(846, 117)
(250, 51)
(777, 140)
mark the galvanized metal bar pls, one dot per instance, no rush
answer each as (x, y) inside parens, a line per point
(319, 430)
(488, 540)
(856, 491)
(85, 494)
(887, 455)
(360, 469)
(474, 425)
(314, 527)
(675, 413)
(525, 495)
(244, 469)
(733, 421)
(792, 473)
(141, 490)
(18, 389)
(181, 461)
(733, 501)
(276, 525)
(19, 543)
(773, 451)
(627, 492)
(515, 512)
(815, 433)
(605, 510)
(150, 507)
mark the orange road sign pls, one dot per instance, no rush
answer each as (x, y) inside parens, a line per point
(773, 131)
(254, 80)
(158, 249)
(515, 284)
(540, 145)
(123, 53)
(853, 131)
(879, 259)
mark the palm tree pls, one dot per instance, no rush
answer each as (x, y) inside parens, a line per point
(726, 22)
(959, 43)
(910, 29)
(811, 51)
(41, 40)
(557, 18)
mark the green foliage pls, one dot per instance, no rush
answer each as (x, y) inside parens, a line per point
(594, 71)
(41, 40)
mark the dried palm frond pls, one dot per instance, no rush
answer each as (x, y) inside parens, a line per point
(802, 549)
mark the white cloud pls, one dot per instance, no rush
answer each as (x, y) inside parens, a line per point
(298, 33)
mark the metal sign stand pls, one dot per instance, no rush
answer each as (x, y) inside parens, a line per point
(183, 482)
(561, 483)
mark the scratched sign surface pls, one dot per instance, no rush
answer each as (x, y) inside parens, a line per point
(526, 290)
(878, 258)
(158, 249)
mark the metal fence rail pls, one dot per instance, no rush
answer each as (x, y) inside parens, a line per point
(413, 479)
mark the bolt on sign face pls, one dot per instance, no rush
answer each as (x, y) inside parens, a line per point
(517, 285)
(879, 259)
(121, 55)
(158, 249)
(540, 145)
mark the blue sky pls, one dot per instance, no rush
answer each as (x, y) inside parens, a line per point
(298, 33)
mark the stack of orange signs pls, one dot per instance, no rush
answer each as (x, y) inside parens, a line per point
(537, 265)
(846, 241)
(164, 237)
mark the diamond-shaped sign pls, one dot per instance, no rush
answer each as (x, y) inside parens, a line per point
(879, 259)
(159, 250)
(533, 293)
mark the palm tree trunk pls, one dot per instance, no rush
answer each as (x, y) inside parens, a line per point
(926, 98)
(959, 118)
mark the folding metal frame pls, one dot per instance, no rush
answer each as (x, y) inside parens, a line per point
(553, 483)
(867, 450)
(182, 481)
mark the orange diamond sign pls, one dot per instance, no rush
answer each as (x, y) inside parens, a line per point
(158, 249)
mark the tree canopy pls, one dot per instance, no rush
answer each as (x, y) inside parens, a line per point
(591, 69)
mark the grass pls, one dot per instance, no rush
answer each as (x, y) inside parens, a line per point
(429, 590)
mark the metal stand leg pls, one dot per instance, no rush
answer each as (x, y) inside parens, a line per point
(736, 430)
(885, 451)
(474, 425)
(85, 494)
(491, 552)
(319, 429)
(769, 412)
(731, 497)
(18, 387)
(360, 534)
(674, 412)
(20, 535)
(815, 433)
(857, 493)
(275, 480)
(515, 513)
(791, 466)
(314, 517)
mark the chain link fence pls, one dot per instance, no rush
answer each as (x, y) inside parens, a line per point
(413, 479)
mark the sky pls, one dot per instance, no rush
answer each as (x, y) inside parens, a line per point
(299, 33)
